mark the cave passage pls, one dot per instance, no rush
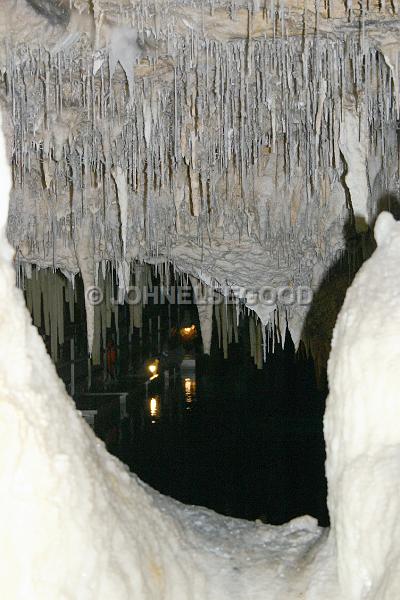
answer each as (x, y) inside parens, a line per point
(211, 430)
(244, 442)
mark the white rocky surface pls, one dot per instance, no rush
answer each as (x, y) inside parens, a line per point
(361, 425)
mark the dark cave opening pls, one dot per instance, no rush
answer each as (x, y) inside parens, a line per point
(211, 431)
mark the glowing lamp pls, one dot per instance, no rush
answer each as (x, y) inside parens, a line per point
(153, 368)
(188, 333)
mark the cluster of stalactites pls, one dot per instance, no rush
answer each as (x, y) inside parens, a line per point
(263, 339)
(155, 17)
(186, 148)
(218, 142)
(48, 292)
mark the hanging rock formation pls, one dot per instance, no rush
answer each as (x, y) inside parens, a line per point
(215, 135)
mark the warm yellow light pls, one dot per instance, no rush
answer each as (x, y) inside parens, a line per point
(188, 332)
(153, 406)
(190, 389)
(152, 367)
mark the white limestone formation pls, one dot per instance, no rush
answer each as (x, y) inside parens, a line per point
(361, 425)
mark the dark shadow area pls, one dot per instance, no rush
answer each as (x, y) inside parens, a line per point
(390, 202)
(249, 444)
(329, 298)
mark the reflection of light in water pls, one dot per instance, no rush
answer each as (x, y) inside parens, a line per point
(190, 389)
(154, 407)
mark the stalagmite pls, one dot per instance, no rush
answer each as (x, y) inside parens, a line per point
(361, 425)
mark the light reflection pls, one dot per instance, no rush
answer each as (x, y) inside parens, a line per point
(154, 407)
(190, 389)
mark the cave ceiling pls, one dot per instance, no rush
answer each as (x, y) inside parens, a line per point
(239, 141)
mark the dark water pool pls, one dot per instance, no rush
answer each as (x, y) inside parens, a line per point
(243, 442)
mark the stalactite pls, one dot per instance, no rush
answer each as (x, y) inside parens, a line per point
(252, 336)
(235, 319)
(36, 299)
(229, 323)
(59, 293)
(116, 320)
(70, 298)
(109, 294)
(138, 305)
(217, 314)
(131, 319)
(103, 311)
(122, 194)
(46, 295)
(96, 343)
(53, 305)
(85, 258)
(205, 311)
(224, 327)
(258, 358)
